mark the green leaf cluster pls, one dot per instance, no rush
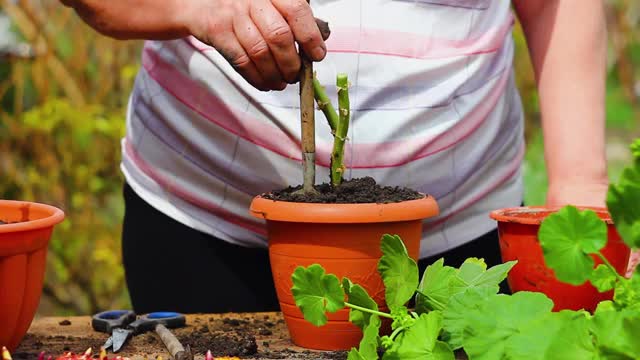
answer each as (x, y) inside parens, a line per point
(460, 308)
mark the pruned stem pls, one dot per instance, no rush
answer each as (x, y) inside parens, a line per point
(324, 104)
(340, 136)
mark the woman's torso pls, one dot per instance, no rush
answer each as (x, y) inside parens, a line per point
(434, 108)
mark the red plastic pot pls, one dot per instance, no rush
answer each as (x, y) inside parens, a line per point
(345, 240)
(23, 251)
(518, 231)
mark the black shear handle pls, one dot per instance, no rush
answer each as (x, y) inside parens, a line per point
(148, 322)
(106, 321)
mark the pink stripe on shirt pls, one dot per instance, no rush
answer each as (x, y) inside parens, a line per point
(367, 155)
(402, 44)
(190, 197)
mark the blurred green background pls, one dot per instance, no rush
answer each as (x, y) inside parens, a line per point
(62, 118)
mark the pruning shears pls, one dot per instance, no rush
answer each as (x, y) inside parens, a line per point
(122, 324)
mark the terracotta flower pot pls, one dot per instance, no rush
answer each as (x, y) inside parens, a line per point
(518, 231)
(345, 240)
(23, 251)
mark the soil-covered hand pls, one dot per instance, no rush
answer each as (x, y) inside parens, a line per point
(258, 37)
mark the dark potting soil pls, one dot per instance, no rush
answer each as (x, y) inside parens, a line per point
(353, 191)
(237, 337)
(248, 336)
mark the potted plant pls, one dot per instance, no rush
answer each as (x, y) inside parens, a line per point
(459, 311)
(337, 224)
(519, 229)
(25, 229)
(527, 238)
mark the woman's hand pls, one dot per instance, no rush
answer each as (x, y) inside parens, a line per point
(258, 37)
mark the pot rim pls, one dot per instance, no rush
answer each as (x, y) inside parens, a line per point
(514, 214)
(275, 210)
(55, 216)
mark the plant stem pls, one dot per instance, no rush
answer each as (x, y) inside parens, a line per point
(307, 119)
(324, 104)
(608, 264)
(340, 136)
(396, 332)
(371, 311)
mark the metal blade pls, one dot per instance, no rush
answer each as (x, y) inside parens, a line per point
(108, 343)
(119, 336)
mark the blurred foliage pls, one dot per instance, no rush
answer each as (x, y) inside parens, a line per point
(62, 118)
(61, 122)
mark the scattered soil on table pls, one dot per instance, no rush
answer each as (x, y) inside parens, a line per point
(248, 336)
(32, 345)
(354, 191)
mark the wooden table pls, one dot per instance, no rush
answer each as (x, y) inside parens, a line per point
(250, 336)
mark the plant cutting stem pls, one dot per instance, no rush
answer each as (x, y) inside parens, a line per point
(371, 311)
(324, 104)
(608, 264)
(340, 136)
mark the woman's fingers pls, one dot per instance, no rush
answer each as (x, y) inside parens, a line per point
(303, 25)
(258, 50)
(230, 48)
(278, 36)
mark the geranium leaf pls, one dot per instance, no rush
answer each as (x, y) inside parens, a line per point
(533, 339)
(635, 149)
(603, 278)
(489, 329)
(440, 283)
(616, 332)
(399, 272)
(567, 238)
(627, 293)
(369, 343)
(434, 287)
(354, 354)
(316, 293)
(622, 201)
(455, 314)
(357, 295)
(474, 273)
(573, 341)
(420, 341)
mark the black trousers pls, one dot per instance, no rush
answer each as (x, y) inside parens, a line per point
(171, 267)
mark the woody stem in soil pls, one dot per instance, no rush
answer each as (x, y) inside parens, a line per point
(342, 128)
(308, 135)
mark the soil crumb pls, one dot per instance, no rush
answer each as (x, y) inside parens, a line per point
(64, 323)
(353, 191)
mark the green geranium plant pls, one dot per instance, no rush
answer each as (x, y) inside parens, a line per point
(459, 309)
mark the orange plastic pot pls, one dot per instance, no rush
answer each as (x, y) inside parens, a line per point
(23, 251)
(518, 232)
(345, 240)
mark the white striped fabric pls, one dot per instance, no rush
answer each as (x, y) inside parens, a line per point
(434, 108)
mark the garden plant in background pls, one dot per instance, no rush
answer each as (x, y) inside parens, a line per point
(460, 309)
(61, 123)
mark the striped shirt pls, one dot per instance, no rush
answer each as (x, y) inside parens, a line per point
(434, 108)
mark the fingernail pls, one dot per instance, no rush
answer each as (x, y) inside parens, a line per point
(318, 53)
